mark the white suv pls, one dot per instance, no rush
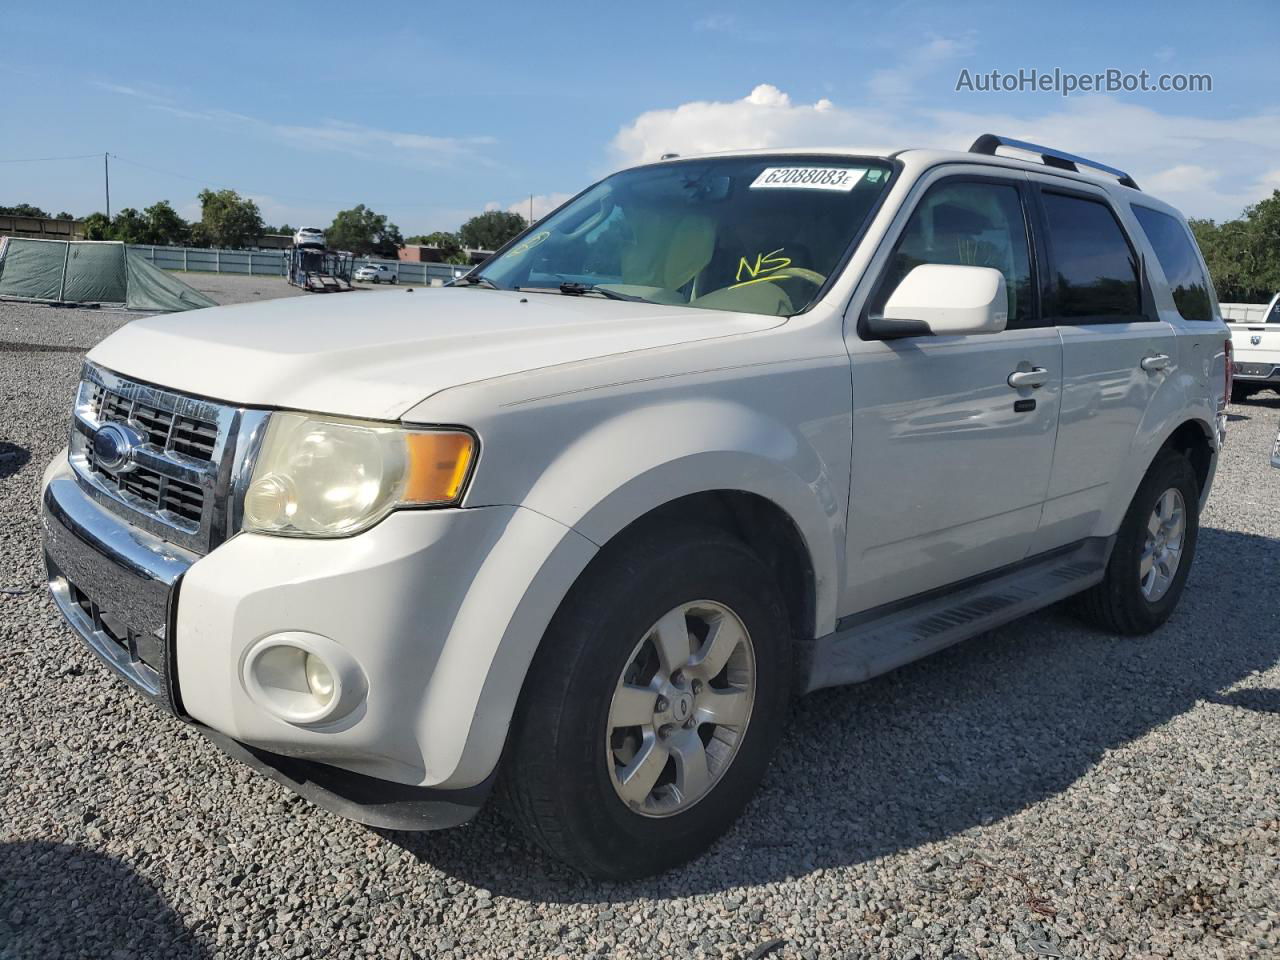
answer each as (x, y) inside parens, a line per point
(719, 431)
(376, 273)
(309, 237)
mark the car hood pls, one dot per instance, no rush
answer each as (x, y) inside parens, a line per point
(379, 354)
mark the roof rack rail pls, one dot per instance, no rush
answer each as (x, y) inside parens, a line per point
(988, 142)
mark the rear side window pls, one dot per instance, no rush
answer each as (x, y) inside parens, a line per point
(1178, 260)
(1093, 270)
(967, 223)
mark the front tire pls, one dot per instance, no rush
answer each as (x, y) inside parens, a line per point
(1153, 552)
(653, 705)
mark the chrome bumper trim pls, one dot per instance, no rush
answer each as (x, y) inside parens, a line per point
(115, 584)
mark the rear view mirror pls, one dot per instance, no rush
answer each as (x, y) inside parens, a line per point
(944, 300)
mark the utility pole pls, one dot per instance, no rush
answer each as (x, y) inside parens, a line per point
(531, 209)
(106, 182)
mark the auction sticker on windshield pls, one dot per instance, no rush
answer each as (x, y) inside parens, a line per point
(842, 179)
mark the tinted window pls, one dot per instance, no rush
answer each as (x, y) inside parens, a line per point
(1178, 260)
(966, 224)
(1094, 271)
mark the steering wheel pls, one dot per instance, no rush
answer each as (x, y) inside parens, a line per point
(801, 273)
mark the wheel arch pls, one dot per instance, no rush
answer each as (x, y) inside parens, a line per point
(766, 527)
(1193, 437)
(760, 523)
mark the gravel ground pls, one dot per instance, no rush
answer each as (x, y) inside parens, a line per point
(1041, 791)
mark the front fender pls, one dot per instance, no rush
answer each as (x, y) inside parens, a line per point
(631, 464)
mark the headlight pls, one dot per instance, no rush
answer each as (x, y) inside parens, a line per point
(328, 477)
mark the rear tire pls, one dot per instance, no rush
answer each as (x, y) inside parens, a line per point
(1153, 552)
(617, 771)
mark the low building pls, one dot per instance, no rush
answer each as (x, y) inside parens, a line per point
(415, 253)
(41, 228)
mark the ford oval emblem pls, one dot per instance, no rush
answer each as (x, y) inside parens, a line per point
(113, 445)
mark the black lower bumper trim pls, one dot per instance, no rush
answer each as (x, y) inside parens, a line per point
(367, 800)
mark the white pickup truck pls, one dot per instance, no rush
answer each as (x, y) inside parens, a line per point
(1255, 341)
(719, 431)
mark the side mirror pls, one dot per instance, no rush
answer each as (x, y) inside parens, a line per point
(944, 300)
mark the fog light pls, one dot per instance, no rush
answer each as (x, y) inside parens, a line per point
(303, 678)
(319, 679)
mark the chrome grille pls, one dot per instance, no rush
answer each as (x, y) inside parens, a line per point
(177, 480)
(186, 435)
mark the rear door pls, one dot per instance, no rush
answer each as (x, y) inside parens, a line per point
(1116, 352)
(950, 463)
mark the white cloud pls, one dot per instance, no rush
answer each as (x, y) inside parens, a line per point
(334, 135)
(354, 138)
(1179, 179)
(917, 63)
(543, 203)
(1210, 167)
(716, 23)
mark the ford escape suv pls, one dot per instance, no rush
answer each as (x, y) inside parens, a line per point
(719, 431)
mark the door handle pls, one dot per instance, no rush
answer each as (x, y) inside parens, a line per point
(1158, 362)
(1034, 378)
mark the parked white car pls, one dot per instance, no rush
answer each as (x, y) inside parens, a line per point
(376, 273)
(717, 432)
(309, 237)
(1255, 341)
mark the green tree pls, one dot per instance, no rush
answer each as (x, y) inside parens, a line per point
(491, 229)
(130, 226)
(227, 220)
(163, 225)
(363, 232)
(65, 216)
(448, 244)
(23, 210)
(97, 227)
(1244, 254)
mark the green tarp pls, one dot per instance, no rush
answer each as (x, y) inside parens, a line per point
(88, 271)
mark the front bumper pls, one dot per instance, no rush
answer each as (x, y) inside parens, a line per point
(115, 584)
(424, 602)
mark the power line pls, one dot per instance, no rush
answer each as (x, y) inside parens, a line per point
(79, 156)
(205, 181)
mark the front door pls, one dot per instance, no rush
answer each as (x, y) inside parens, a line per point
(951, 461)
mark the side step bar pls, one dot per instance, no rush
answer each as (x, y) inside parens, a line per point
(879, 640)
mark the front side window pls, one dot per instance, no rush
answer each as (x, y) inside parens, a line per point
(755, 234)
(1094, 271)
(1173, 246)
(969, 224)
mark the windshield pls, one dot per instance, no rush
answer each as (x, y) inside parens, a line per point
(755, 234)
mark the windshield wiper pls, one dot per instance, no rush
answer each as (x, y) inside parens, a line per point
(476, 280)
(573, 289)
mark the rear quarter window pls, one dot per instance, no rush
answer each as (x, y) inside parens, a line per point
(1177, 255)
